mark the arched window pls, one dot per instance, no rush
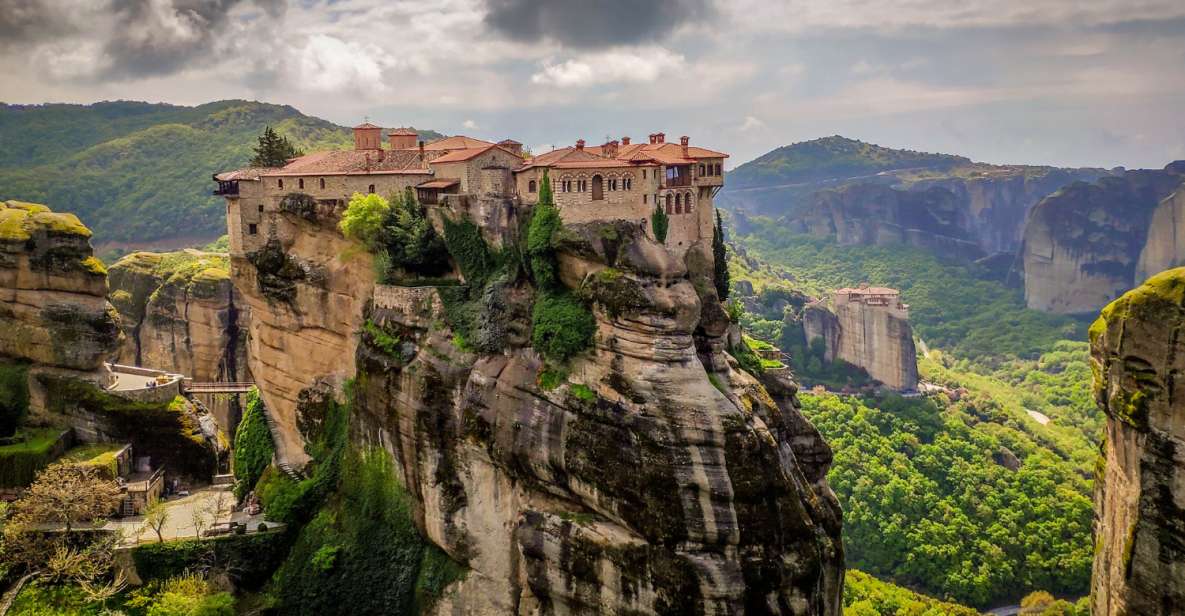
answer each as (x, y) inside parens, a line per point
(280, 183)
(531, 186)
(670, 210)
(300, 183)
(687, 204)
(370, 189)
(322, 183)
(598, 188)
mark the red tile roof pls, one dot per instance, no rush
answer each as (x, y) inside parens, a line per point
(348, 162)
(457, 142)
(402, 131)
(441, 183)
(634, 153)
(367, 125)
(468, 153)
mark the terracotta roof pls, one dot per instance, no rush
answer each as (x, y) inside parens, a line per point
(367, 125)
(509, 142)
(248, 173)
(867, 291)
(339, 162)
(443, 183)
(636, 153)
(402, 131)
(604, 163)
(468, 153)
(457, 142)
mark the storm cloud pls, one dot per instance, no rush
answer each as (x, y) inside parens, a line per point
(585, 25)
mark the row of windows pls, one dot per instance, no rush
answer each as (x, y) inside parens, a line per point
(300, 184)
(709, 168)
(681, 204)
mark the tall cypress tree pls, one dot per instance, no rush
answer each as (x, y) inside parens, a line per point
(720, 256)
(273, 150)
(659, 224)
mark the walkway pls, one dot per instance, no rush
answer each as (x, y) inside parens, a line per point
(188, 515)
(191, 387)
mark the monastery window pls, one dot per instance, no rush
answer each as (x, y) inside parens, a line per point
(644, 199)
(613, 184)
(252, 229)
(627, 183)
(300, 183)
(531, 186)
(670, 210)
(370, 189)
(702, 171)
(717, 169)
(643, 174)
(260, 208)
(598, 188)
(687, 203)
(280, 183)
(678, 204)
(581, 185)
(322, 183)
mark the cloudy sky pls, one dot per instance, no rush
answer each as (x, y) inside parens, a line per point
(1067, 82)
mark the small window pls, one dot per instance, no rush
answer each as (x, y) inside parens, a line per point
(280, 183)
(702, 170)
(260, 208)
(322, 183)
(629, 183)
(252, 229)
(531, 186)
(300, 183)
(669, 209)
(644, 199)
(370, 189)
(643, 174)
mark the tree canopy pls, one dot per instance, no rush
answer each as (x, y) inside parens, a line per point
(273, 150)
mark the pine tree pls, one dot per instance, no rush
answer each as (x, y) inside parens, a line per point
(720, 256)
(273, 150)
(545, 219)
(659, 223)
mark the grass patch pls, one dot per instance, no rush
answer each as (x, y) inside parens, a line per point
(20, 462)
(98, 455)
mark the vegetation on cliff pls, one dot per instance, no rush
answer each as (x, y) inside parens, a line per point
(14, 397)
(253, 448)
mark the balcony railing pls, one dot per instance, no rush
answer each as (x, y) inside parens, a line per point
(678, 181)
(227, 189)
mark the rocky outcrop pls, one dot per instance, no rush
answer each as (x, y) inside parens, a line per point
(648, 476)
(1137, 356)
(1165, 246)
(53, 308)
(878, 339)
(1082, 245)
(180, 312)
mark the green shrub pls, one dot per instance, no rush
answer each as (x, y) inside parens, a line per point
(385, 342)
(250, 558)
(410, 239)
(364, 217)
(562, 325)
(253, 448)
(14, 397)
(583, 392)
(20, 461)
(545, 221)
(659, 224)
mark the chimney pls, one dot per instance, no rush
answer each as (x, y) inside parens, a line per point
(421, 144)
(660, 137)
(653, 138)
(683, 141)
(580, 144)
(610, 149)
(625, 141)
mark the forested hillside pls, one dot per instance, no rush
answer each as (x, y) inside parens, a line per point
(965, 495)
(138, 173)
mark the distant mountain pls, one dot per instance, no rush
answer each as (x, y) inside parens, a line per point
(862, 193)
(138, 174)
(831, 158)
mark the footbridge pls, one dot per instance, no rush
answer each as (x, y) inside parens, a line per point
(201, 387)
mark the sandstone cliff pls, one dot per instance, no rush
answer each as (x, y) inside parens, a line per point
(1165, 246)
(1137, 356)
(53, 308)
(876, 339)
(179, 312)
(1082, 244)
(648, 476)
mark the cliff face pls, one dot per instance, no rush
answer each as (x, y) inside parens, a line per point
(628, 483)
(876, 214)
(874, 338)
(1165, 246)
(53, 307)
(1082, 244)
(1137, 355)
(180, 312)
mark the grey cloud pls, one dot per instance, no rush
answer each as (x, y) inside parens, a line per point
(586, 24)
(30, 20)
(155, 38)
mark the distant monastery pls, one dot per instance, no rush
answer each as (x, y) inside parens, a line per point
(618, 180)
